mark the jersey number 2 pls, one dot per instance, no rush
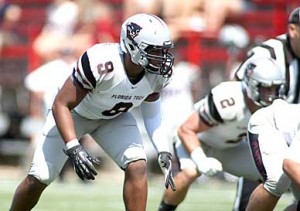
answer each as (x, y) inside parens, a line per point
(227, 102)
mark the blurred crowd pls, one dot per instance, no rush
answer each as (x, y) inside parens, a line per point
(71, 26)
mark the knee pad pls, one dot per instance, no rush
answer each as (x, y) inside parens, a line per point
(45, 173)
(130, 155)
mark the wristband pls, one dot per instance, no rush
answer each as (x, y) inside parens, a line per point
(197, 155)
(72, 143)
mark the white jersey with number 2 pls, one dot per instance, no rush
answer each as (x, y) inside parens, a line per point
(225, 110)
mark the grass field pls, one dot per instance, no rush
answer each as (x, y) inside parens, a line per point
(105, 194)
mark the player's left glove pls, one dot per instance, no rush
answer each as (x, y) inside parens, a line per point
(82, 162)
(165, 163)
(206, 165)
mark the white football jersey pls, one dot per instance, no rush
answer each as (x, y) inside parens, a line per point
(281, 115)
(100, 69)
(274, 136)
(278, 49)
(224, 109)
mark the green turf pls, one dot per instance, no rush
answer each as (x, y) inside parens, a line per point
(105, 194)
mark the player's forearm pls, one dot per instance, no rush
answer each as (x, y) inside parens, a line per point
(189, 139)
(64, 122)
(66, 99)
(151, 113)
(292, 169)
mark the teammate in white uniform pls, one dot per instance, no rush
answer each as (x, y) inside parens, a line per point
(274, 136)
(285, 50)
(213, 138)
(107, 82)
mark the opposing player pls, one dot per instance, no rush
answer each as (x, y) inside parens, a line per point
(213, 138)
(273, 135)
(107, 82)
(285, 50)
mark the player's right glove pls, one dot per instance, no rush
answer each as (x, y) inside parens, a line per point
(206, 165)
(82, 162)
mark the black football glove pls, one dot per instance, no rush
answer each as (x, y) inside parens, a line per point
(165, 163)
(82, 162)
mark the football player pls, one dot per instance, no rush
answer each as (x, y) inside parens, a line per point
(213, 138)
(285, 50)
(273, 135)
(107, 82)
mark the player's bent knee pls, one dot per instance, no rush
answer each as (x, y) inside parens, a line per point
(34, 182)
(136, 170)
(45, 173)
(131, 155)
(190, 173)
(138, 166)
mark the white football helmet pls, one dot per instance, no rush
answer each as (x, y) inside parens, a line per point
(147, 39)
(264, 81)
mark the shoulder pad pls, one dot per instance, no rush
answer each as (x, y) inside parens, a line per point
(228, 99)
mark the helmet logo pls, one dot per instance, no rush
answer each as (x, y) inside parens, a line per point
(250, 69)
(133, 30)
